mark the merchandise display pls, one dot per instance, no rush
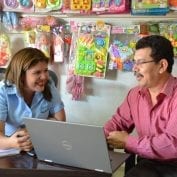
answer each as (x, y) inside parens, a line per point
(89, 49)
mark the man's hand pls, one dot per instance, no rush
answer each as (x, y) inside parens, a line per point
(117, 139)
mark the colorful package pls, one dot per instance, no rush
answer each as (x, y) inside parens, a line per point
(19, 5)
(121, 50)
(58, 44)
(111, 7)
(43, 41)
(169, 30)
(5, 52)
(149, 7)
(92, 50)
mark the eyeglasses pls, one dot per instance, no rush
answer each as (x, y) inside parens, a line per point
(138, 63)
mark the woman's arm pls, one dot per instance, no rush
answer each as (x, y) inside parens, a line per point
(3, 139)
(60, 116)
(20, 139)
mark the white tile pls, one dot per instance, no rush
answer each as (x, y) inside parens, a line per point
(119, 172)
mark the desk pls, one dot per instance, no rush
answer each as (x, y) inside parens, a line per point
(22, 165)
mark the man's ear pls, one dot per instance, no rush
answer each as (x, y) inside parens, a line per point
(163, 66)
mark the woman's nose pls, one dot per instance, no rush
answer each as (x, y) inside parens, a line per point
(44, 75)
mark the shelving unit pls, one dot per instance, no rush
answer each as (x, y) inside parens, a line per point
(109, 18)
(126, 15)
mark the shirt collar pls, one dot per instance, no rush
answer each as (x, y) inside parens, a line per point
(11, 89)
(167, 90)
(170, 85)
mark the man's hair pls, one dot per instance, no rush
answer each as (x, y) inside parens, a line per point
(161, 48)
(23, 60)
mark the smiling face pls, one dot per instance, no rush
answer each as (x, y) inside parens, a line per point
(36, 78)
(147, 72)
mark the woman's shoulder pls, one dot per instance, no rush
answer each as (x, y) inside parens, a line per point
(6, 87)
(2, 84)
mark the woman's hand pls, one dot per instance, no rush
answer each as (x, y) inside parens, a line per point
(21, 139)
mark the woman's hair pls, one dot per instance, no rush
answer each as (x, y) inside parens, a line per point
(23, 60)
(161, 48)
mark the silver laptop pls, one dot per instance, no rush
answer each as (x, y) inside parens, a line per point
(71, 144)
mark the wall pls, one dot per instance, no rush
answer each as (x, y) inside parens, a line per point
(103, 97)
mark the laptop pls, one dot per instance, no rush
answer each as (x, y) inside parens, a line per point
(73, 144)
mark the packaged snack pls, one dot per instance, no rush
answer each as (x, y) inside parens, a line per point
(19, 5)
(5, 52)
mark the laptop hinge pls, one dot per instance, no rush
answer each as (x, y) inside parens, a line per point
(99, 170)
(47, 160)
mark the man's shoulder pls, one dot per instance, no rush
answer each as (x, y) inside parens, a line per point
(135, 89)
(174, 81)
(135, 92)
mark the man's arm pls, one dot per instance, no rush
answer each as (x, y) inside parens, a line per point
(160, 145)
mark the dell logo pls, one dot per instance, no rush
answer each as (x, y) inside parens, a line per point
(66, 145)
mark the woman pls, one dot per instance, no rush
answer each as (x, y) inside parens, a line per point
(26, 91)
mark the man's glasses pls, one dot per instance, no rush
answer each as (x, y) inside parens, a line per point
(138, 63)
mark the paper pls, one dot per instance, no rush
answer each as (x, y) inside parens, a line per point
(8, 152)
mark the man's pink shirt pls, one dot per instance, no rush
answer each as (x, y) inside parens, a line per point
(156, 126)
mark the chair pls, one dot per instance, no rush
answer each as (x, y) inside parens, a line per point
(54, 77)
(130, 163)
(2, 73)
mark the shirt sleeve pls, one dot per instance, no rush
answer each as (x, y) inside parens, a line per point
(121, 120)
(56, 102)
(160, 146)
(3, 105)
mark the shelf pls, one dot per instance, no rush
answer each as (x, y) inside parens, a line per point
(170, 15)
(114, 18)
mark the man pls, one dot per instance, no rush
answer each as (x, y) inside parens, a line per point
(150, 108)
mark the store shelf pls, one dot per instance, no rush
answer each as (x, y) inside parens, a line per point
(172, 14)
(114, 18)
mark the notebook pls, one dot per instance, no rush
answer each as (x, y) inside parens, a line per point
(72, 144)
(9, 152)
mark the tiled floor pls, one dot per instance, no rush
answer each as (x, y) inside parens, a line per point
(119, 172)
